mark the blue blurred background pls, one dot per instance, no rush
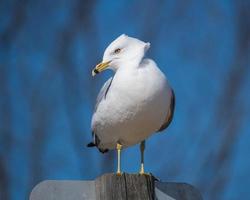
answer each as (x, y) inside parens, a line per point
(47, 94)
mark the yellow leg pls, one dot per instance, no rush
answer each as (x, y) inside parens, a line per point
(118, 147)
(142, 148)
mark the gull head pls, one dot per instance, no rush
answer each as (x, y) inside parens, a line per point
(122, 50)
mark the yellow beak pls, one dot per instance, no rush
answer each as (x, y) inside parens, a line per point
(100, 67)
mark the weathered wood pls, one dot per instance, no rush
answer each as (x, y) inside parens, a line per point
(126, 186)
(111, 186)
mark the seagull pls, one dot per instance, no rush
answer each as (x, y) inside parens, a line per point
(136, 102)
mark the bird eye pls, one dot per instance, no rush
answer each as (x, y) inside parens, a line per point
(117, 51)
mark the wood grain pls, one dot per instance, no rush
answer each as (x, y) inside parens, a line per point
(126, 186)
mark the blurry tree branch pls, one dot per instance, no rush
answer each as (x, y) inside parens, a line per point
(5, 136)
(229, 111)
(18, 15)
(6, 37)
(81, 23)
(4, 183)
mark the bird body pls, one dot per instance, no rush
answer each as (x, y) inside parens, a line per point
(135, 105)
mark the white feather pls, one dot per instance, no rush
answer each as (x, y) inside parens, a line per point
(138, 99)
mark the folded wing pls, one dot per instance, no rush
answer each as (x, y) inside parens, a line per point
(170, 114)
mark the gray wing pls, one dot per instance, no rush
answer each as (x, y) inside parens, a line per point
(170, 113)
(103, 92)
(102, 95)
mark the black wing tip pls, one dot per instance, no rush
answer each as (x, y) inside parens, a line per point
(91, 144)
(96, 143)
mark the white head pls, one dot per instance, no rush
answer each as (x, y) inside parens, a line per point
(122, 50)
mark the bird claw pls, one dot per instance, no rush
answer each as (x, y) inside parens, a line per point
(119, 173)
(144, 174)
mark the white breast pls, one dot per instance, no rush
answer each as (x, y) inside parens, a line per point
(135, 106)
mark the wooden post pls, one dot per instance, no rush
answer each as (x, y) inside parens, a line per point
(114, 187)
(126, 186)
